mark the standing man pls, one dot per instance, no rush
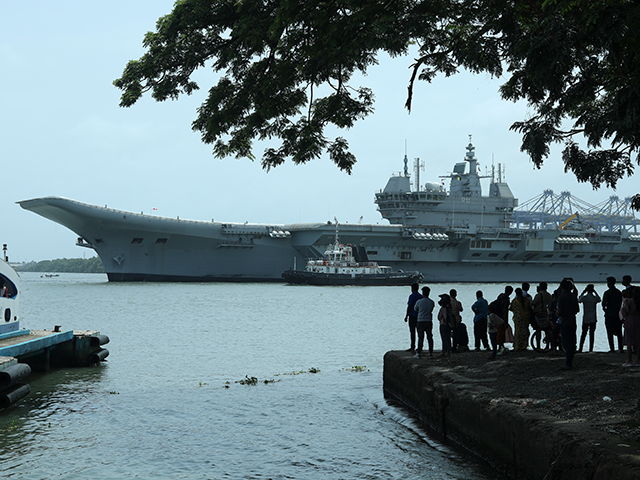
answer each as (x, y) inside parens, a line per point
(568, 308)
(611, 303)
(412, 315)
(589, 299)
(541, 304)
(502, 310)
(456, 308)
(542, 301)
(481, 309)
(424, 307)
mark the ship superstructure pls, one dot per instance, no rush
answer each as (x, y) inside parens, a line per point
(454, 235)
(464, 206)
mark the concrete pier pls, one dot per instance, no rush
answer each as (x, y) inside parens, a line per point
(466, 400)
(24, 351)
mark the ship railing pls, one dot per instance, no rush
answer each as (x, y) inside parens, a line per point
(599, 238)
(502, 235)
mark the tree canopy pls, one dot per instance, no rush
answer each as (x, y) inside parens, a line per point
(286, 68)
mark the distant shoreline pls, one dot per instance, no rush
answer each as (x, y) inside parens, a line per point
(63, 265)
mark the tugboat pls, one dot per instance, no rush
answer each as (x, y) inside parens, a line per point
(348, 265)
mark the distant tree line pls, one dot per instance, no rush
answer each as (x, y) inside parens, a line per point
(65, 265)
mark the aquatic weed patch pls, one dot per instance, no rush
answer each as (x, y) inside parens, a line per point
(252, 381)
(357, 368)
(247, 380)
(13, 426)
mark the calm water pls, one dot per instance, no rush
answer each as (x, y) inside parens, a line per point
(168, 402)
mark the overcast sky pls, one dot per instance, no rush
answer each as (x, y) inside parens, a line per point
(62, 133)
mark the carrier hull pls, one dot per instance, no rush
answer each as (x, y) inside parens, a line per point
(137, 247)
(454, 235)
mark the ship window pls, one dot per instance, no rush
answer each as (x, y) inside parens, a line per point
(493, 254)
(595, 256)
(579, 256)
(99, 240)
(161, 241)
(476, 254)
(633, 249)
(372, 252)
(564, 255)
(136, 240)
(405, 255)
(618, 258)
(548, 255)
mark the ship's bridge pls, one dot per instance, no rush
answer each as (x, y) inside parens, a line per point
(465, 184)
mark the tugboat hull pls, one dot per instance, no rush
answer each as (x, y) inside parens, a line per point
(384, 279)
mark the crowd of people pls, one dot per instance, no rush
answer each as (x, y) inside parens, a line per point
(551, 316)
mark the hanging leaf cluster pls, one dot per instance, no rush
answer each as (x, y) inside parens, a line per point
(284, 71)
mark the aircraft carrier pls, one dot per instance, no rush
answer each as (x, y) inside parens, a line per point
(449, 235)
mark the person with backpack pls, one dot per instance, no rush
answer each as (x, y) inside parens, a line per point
(447, 324)
(502, 310)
